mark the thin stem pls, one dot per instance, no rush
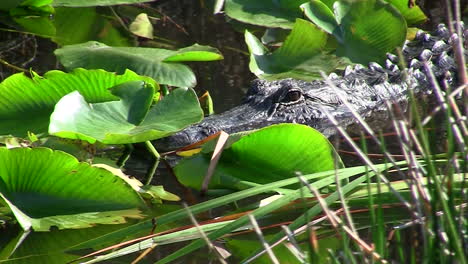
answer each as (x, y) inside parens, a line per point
(4, 62)
(157, 157)
(125, 155)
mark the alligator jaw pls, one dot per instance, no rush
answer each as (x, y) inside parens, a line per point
(240, 118)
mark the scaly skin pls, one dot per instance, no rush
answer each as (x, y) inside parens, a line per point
(366, 88)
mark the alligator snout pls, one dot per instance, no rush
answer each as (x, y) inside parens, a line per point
(183, 138)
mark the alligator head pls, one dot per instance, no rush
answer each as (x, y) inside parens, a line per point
(265, 103)
(366, 89)
(294, 101)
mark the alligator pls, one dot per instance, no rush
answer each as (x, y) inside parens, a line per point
(366, 89)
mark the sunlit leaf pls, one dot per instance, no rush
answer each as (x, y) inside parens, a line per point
(269, 13)
(366, 30)
(40, 184)
(260, 157)
(195, 53)
(28, 102)
(321, 15)
(129, 120)
(370, 30)
(145, 61)
(302, 56)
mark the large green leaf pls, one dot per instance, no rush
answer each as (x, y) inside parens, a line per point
(302, 56)
(370, 30)
(40, 184)
(129, 120)
(321, 15)
(47, 247)
(77, 3)
(86, 24)
(263, 156)
(366, 30)
(160, 64)
(283, 13)
(269, 13)
(28, 102)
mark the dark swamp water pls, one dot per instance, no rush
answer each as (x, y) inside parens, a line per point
(183, 23)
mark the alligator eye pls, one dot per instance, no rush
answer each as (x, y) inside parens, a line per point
(292, 96)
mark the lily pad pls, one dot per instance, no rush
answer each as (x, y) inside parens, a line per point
(282, 14)
(41, 184)
(160, 64)
(257, 157)
(302, 56)
(366, 30)
(27, 103)
(129, 120)
(268, 13)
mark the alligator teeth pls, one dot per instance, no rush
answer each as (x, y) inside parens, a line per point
(426, 55)
(375, 67)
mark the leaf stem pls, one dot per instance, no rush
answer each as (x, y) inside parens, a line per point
(125, 155)
(157, 157)
(4, 62)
